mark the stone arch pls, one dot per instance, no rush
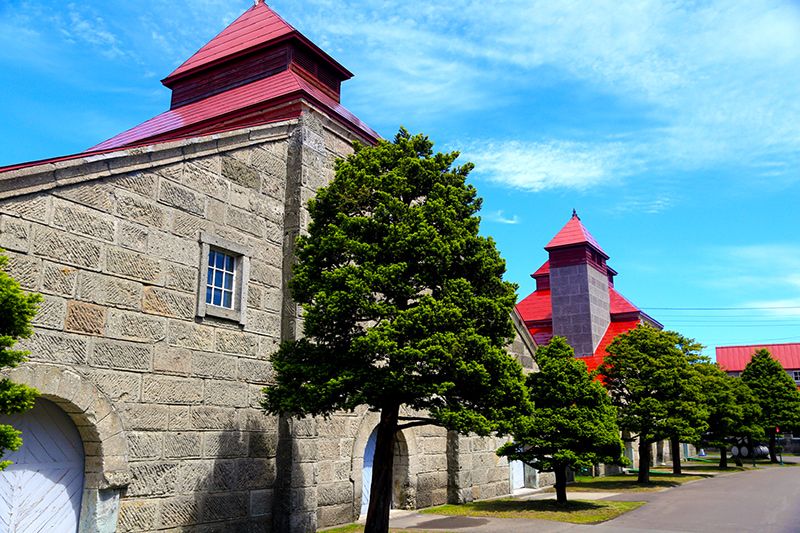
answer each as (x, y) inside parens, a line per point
(105, 445)
(404, 475)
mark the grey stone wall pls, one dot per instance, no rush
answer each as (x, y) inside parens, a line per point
(580, 302)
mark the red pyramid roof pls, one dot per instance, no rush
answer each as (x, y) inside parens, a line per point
(574, 233)
(256, 27)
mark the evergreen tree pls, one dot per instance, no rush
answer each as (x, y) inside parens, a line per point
(649, 376)
(777, 395)
(17, 309)
(573, 424)
(733, 410)
(404, 304)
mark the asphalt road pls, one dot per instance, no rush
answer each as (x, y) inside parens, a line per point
(759, 501)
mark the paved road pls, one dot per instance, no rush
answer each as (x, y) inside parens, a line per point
(759, 501)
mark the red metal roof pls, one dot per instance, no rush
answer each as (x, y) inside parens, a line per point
(255, 27)
(614, 329)
(543, 270)
(735, 358)
(573, 233)
(224, 106)
(620, 304)
(536, 306)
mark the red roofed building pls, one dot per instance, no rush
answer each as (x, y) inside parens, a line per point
(733, 359)
(575, 296)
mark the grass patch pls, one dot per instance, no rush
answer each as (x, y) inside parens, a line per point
(575, 512)
(627, 483)
(704, 467)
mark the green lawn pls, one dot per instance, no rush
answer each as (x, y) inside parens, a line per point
(576, 511)
(627, 483)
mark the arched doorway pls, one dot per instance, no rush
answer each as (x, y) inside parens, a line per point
(42, 490)
(400, 472)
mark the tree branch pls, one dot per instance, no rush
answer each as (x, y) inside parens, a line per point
(419, 422)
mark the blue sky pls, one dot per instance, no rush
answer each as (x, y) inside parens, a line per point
(672, 127)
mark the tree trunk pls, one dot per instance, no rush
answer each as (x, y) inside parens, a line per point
(560, 470)
(723, 457)
(380, 499)
(773, 454)
(675, 452)
(644, 461)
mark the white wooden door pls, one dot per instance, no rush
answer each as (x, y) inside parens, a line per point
(42, 490)
(366, 472)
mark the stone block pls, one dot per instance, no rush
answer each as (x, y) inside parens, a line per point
(224, 506)
(200, 178)
(132, 236)
(168, 303)
(263, 322)
(180, 418)
(132, 265)
(195, 476)
(143, 183)
(145, 444)
(263, 445)
(261, 502)
(33, 208)
(169, 360)
(255, 473)
(152, 479)
(182, 445)
(83, 221)
(14, 234)
(207, 417)
(225, 444)
(169, 390)
(265, 274)
(236, 342)
(51, 313)
(239, 173)
(191, 335)
(215, 211)
(224, 476)
(213, 366)
(187, 225)
(226, 393)
(255, 371)
(66, 248)
(24, 269)
(178, 511)
(85, 318)
(134, 326)
(172, 248)
(180, 278)
(146, 417)
(141, 210)
(108, 290)
(137, 515)
(182, 198)
(121, 355)
(58, 279)
(96, 195)
(246, 222)
(116, 385)
(54, 347)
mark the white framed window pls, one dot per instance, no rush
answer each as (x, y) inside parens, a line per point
(224, 271)
(796, 375)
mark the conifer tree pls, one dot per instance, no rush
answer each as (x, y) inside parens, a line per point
(733, 410)
(777, 395)
(646, 372)
(404, 305)
(17, 309)
(573, 424)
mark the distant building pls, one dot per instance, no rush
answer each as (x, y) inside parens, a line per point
(733, 359)
(575, 296)
(163, 255)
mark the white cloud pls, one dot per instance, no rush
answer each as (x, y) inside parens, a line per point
(539, 166)
(500, 217)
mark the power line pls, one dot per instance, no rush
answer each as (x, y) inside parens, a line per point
(720, 308)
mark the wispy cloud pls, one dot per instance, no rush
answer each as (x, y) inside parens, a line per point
(500, 217)
(648, 205)
(538, 166)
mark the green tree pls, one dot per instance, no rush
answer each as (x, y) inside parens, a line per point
(573, 424)
(649, 376)
(17, 309)
(404, 304)
(776, 393)
(733, 411)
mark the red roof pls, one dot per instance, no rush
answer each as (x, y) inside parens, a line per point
(536, 306)
(573, 233)
(255, 27)
(614, 329)
(543, 270)
(735, 358)
(620, 304)
(194, 117)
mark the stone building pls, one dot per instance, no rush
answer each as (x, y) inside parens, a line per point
(163, 256)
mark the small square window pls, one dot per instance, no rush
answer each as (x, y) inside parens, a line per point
(223, 286)
(796, 375)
